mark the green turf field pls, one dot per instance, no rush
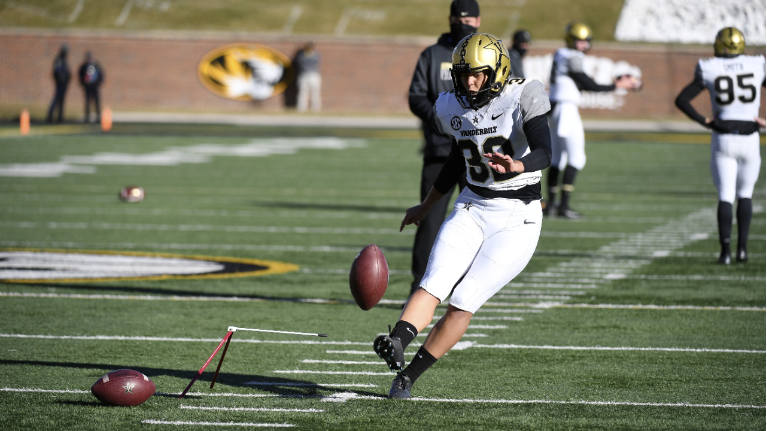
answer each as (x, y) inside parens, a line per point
(620, 321)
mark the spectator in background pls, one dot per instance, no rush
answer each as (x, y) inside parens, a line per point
(432, 77)
(91, 76)
(61, 76)
(309, 79)
(519, 47)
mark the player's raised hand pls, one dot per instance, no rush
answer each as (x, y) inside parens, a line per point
(503, 163)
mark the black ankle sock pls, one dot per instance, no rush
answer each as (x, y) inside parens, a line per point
(405, 332)
(568, 181)
(420, 363)
(745, 211)
(553, 181)
(724, 219)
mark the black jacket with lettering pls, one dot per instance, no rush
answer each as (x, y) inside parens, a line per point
(429, 80)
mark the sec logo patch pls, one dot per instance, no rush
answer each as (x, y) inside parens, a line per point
(455, 123)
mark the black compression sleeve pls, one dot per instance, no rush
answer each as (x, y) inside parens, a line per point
(539, 140)
(452, 170)
(683, 101)
(584, 82)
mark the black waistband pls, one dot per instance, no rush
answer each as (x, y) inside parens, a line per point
(526, 194)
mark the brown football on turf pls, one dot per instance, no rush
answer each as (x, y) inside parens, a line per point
(369, 277)
(123, 388)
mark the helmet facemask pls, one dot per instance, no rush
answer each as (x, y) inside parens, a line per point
(480, 52)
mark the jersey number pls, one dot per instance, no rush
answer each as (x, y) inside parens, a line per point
(725, 91)
(478, 169)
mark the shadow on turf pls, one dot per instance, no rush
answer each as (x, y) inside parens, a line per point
(278, 386)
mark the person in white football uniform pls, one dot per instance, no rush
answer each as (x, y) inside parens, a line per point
(500, 143)
(734, 82)
(568, 140)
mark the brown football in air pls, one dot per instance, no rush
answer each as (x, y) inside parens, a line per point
(123, 388)
(369, 277)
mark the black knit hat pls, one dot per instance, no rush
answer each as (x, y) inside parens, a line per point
(522, 36)
(464, 8)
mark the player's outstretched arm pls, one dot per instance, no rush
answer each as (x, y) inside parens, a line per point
(415, 214)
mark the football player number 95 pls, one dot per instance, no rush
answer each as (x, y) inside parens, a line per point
(725, 91)
(482, 171)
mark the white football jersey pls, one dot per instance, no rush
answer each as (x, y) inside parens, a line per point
(495, 127)
(734, 85)
(563, 88)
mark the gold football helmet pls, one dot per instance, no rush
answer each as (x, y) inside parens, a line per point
(577, 31)
(729, 42)
(475, 52)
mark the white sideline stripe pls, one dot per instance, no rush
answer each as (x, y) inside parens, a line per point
(592, 403)
(250, 409)
(221, 424)
(159, 297)
(480, 326)
(185, 340)
(326, 361)
(47, 391)
(314, 385)
(644, 349)
(359, 352)
(515, 319)
(350, 373)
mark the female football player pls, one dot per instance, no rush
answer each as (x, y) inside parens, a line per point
(500, 142)
(734, 81)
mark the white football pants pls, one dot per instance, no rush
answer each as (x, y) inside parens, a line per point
(568, 141)
(735, 163)
(489, 240)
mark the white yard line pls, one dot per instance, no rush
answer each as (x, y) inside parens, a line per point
(603, 348)
(250, 409)
(346, 373)
(313, 385)
(325, 361)
(178, 339)
(436, 400)
(212, 424)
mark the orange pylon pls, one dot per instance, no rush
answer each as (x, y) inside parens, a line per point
(106, 119)
(24, 122)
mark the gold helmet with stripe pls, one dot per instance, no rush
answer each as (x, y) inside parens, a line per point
(480, 52)
(577, 31)
(729, 42)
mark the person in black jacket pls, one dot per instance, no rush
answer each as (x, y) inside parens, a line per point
(61, 76)
(520, 45)
(91, 76)
(432, 77)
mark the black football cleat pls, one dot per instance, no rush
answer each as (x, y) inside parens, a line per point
(569, 214)
(550, 209)
(741, 255)
(391, 351)
(400, 387)
(724, 259)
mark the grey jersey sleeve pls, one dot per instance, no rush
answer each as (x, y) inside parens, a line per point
(437, 121)
(699, 75)
(575, 64)
(533, 101)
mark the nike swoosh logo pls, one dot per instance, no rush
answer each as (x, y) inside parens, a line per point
(529, 222)
(409, 330)
(496, 116)
(420, 355)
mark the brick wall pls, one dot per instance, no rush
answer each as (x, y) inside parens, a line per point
(158, 71)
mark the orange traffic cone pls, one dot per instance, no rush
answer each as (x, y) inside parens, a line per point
(106, 120)
(24, 122)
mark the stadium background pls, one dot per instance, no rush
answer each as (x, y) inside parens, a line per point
(151, 60)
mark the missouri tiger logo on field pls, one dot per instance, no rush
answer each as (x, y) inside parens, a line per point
(39, 266)
(245, 72)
